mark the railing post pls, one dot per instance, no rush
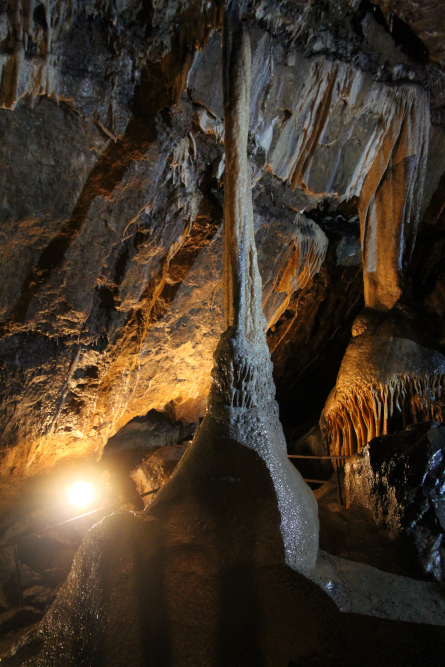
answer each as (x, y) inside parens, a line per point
(335, 462)
(337, 471)
(17, 575)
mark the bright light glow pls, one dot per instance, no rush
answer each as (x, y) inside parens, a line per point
(81, 494)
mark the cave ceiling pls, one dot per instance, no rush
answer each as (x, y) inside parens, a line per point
(111, 182)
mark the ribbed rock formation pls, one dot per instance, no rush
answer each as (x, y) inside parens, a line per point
(41, 55)
(33, 30)
(111, 249)
(391, 199)
(381, 376)
(387, 380)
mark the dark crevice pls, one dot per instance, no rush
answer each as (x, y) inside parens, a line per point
(318, 330)
(410, 43)
(404, 36)
(120, 266)
(105, 294)
(367, 7)
(39, 16)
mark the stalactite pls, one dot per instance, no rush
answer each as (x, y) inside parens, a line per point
(391, 199)
(351, 419)
(37, 75)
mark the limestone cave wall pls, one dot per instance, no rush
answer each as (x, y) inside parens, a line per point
(111, 193)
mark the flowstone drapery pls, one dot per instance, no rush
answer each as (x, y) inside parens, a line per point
(389, 377)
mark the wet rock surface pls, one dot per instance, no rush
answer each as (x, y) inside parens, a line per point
(400, 479)
(349, 534)
(112, 165)
(355, 587)
(45, 559)
(18, 619)
(291, 621)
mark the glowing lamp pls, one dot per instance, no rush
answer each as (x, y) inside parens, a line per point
(81, 494)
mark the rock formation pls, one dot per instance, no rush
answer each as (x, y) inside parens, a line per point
(242, 411)
(391, 198)
(112, 179)
(389, 378)
(156, 469)
(111, 303)
(234, 500)
(400, 479)
(385, 372)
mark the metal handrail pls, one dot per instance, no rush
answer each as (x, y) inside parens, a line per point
(319, 481)
(13, 543)
(307, 456)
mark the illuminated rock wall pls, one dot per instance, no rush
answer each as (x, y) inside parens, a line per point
(112, 184)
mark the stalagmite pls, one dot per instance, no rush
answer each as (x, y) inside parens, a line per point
(241, 408)
(234, 506)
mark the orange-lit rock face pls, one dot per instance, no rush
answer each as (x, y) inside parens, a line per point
(235, 498)
(110, 265)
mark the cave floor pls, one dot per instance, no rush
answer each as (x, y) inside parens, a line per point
(298, 613)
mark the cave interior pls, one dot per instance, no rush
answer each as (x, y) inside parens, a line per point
(222, 236)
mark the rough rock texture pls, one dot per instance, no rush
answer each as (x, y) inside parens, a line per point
(401, 478)
(152, 431)
(235, 499)
(93, 53)
(174, 341)
(425, 18)
(324, 126)
(111, 250)
(112, 163)
(155, 470)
